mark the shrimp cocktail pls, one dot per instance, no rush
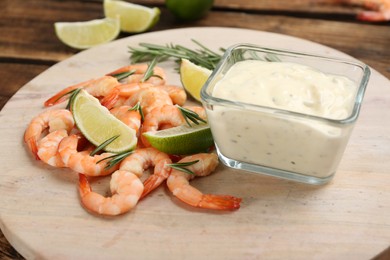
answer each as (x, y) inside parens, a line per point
(282, 113)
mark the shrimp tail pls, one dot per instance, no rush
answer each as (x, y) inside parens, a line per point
(220, 202)
(84, 187)
(32, 145)
(62, 95)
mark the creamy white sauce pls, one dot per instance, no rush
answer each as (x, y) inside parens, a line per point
(295, 144)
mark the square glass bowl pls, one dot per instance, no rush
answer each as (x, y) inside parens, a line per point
(275, 141)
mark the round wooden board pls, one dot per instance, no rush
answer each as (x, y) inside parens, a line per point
(346, 219)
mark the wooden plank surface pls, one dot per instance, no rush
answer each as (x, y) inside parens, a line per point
(28, 44)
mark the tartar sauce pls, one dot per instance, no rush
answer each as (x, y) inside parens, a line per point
(295, 144)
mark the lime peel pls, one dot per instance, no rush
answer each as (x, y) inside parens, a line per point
(182, 139)
(83, 35)
(134, 18)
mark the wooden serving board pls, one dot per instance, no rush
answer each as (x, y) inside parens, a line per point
(349, 218)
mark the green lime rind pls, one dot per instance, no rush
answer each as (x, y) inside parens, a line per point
(182, 140)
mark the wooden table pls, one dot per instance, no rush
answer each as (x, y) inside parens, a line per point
(28, 45)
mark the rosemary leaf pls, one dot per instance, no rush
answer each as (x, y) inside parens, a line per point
(191, 116)
(115, 159)
(137, 107)
(181, 166)
(73, 95)
(123, 75)
(103, 145)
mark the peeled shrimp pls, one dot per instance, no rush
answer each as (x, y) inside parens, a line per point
(48, 148)
(49, 120)
(126, 187)
(132, 118)
(150, 98)
(82, 161)
(96, 87)
(144, 158)
(178, 184)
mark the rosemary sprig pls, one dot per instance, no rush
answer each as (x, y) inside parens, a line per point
(137, 107)
(203, 56)
(115, 159)
(181, 166)
(149, 72)
(73, 94)
(191, 116)
(103, 145)
(123, 75)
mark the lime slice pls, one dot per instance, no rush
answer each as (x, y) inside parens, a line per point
(182, 139)
(133, 18)
(189, 9)
(83, 35)
(98, 125)
(193, 77)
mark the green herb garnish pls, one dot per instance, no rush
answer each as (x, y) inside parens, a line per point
(181, 166)
(191, 116)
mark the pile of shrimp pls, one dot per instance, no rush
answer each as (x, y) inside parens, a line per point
(53, 138)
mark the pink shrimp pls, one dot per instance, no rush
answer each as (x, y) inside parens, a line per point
(165, 117)
(82, 161)
(144, 158)
(176, 93)
(50, 120)
(48, 148)
(126, 187)
(178, 184)
(96, 87)
(132, 118)
(121, 93)
(150, 98)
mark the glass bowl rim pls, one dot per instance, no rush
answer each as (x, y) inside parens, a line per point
(210, 100)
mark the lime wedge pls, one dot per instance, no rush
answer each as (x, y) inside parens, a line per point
(98, 125)
(189, 9)
(182, 139)
(83, 35)
(133, 18)
(193, 77)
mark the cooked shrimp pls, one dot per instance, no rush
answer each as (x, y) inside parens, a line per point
(82, 161)
(51, 120)
(150, 98)
(126, 189)
(48, 148)
(165, 117)
(143, 159)
(176, 93)
(121, 93)
(132, 118)
(178, 184)
(96, 87)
